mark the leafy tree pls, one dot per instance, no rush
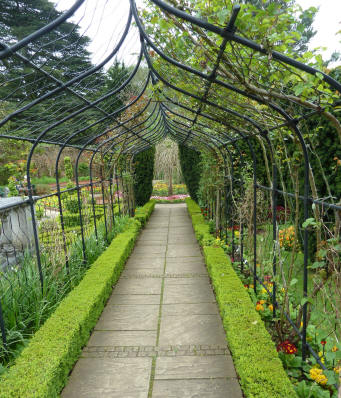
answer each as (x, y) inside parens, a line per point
(167, 161)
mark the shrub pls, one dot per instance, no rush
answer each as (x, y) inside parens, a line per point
(191, 169)
(71, 204)
(83, 169)
(143, 213)
(143, 179)
(68, 167)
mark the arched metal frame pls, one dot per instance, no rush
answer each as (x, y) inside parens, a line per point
(170, 115)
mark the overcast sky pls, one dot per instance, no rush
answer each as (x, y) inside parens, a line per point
(327, 24)
(104, 20)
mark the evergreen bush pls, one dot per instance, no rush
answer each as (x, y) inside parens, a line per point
(143, 180)
(191, 169)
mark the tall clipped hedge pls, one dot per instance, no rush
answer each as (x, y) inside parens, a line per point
(191, 169)
(143, 179)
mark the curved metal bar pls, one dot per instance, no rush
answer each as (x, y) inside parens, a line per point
(77, 176)
(246, 42)
(60, 82)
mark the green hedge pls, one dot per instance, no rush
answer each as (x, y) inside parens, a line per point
(42, 369)
(143, 178)
(254, 354)
(191, 169)
(143, 213)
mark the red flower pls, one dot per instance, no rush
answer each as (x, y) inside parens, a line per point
(323, 342)
(287, 347)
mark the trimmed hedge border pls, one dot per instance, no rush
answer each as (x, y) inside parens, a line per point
(42, 369)
(254, 354)
(143, 213)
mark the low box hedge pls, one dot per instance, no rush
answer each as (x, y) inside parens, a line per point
(143, 213)
(254, 354)
(42, 368)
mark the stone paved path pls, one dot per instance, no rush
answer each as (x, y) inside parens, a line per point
(160, 335)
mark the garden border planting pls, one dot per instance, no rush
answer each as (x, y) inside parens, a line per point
(254, 354)
(43, 366)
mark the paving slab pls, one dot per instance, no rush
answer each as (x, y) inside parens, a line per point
(122, 338)
(126, 299)
(114, 378)
(198, 388)
(138, 286)
(183, 251)
(186, 268)
(190, 309)
(185, 260)
(131, 317)
(194, 367)
(142, 271)
(191, 329)
(149, 250)
(184, 294)
(145, 262)
(195, 282)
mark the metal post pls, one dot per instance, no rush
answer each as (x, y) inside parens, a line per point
(274, 234)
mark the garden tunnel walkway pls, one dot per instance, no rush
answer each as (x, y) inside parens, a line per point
(160, 334)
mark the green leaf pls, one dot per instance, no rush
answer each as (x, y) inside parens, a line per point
(317, 264)
(306, 300)
(222, 14)
(319, 75)
(331, 376)
(293, 281)
(309, 222)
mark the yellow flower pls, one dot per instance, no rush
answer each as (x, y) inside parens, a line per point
(317, 375)
(337, 369)
(236, 233)
(262, 301)
(334, 349)
(271, 307)
(259, 307)
(264, 291)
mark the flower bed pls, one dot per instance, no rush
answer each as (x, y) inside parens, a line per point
(172, 198)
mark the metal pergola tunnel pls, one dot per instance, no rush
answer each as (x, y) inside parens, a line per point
(218, 91)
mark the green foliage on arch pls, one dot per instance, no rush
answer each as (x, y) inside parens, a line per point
(143, 179)
(191, 169)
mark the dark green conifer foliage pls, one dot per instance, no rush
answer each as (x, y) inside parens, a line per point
(143, 179)
(191, 169)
